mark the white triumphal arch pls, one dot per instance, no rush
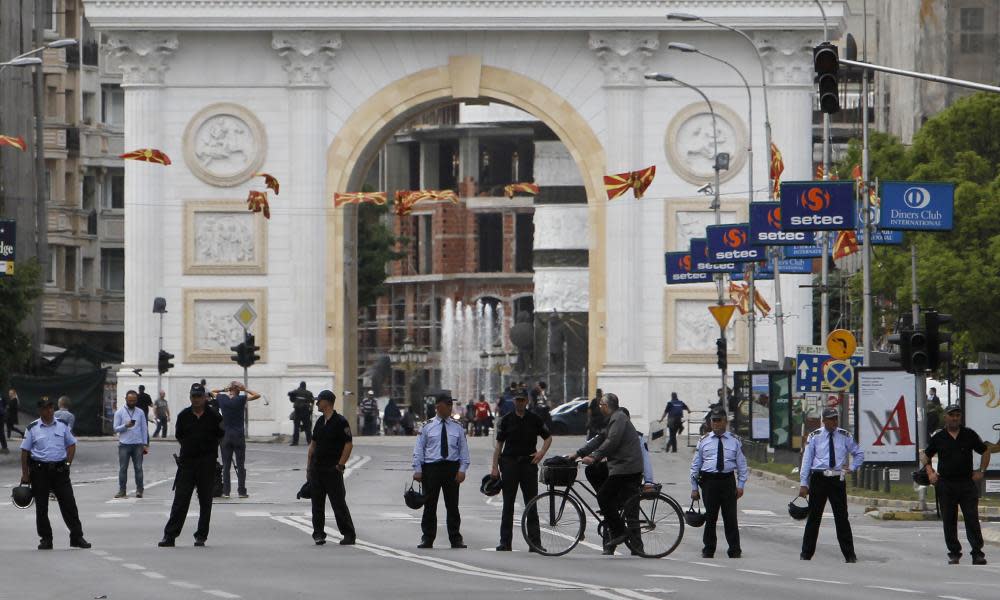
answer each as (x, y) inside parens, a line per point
(308, 90)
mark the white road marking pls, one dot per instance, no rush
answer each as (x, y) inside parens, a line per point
(134, 567)
(705, 564)
(221, 594)
(153, 575)
(156, 483)
(113, 558)
(634, 594)
(351, 468)
(111, 515)
(953, 598)
(763, 513)
(252, 513)
(686, 577)
(185, 584)
(99, 552)
(821, 580)
(759, 572)
(893, 589)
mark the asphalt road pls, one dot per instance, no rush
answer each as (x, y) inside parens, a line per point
(261, 547)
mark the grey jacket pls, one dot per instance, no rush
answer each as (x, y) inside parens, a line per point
(619, 443)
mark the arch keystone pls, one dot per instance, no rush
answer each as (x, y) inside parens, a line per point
(465, 73)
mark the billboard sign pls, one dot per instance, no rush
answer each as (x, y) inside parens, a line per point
(817, 205)
(8, 234)
(731, 243)
(679, 265)
(917, 206)
(766, 229)
(700, 262)
(886, 415)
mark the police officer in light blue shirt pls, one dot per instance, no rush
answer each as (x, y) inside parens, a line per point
(46, 455)
(440, 460)
(824, 466)
(720, 468)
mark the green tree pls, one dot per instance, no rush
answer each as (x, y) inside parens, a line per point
(376, 245)
(17, 299)
(958, 272)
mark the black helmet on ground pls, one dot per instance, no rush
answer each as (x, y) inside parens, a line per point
(414, 498)
(21, 496)
(694, 518)
(490, 486)
(797, 512)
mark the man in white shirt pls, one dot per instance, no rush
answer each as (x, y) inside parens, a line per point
(133, 442)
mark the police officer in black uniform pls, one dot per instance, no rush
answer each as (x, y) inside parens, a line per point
(956, 483)
(47, 452)
(329, 451)
(515, 460)
(198, 429)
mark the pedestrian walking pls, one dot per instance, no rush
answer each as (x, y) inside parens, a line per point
(3, 421)
(957, 484)
(232, 406)
(133, 442)
(145, 401)
(482, 416)
(596, 421)
(391, 418)
(674, 414)
(13, 407)
(302, 409)
(47, 453)
(326, 462)
(440, 460)
(198, 429)
(161, 408)
(369, 413)
(64, 414)
(822, 476)
(515, 463)
(720, 470)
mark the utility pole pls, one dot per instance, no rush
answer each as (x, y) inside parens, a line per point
(41, 181)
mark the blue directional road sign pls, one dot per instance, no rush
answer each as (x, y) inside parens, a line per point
(917, 206)
(817, 205)
(817, 371)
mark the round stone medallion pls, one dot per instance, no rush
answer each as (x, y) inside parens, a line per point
(690, 144)
(224, 144)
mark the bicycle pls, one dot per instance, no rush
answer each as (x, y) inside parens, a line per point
(653, 520)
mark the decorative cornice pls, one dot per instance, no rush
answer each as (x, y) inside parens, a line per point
(788, 56)
(623, 55)
(141, 55)
(308, 55)
(446, 15)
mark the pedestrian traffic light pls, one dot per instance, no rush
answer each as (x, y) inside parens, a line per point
(919, 352)
(721, 352)
(163, 363)
(239, 353)
(933, 320)
(901, 339)
(826, 63)
(251, 351)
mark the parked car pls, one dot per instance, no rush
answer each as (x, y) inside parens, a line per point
(570, 418)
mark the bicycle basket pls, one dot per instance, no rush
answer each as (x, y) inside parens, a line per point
(557, 471)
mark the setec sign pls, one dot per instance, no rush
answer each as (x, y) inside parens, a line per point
(812, 249)
(817, 205)
(917, 206)
(8, 231)
(731, 243)
(700, 262)
(766, 229)
(679, 269)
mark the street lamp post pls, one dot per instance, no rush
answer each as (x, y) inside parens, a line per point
(409, 357)
(503, 361)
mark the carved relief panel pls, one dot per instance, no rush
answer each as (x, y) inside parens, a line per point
(210, 328)
(222, 238)
(690, 142)
(691, 331)
(688, 219)
(224, 144)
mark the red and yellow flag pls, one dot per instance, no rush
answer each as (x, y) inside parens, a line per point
(637, 181)
(820, 171)
(406, 199)
(846, 244)
(527, 188)
(257, 202)
(777, 167)
(147, 155)
(270, 181)
(378, 198)
(16, 142)
(739, 294)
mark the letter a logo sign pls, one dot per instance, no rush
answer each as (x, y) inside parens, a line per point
(896, 421)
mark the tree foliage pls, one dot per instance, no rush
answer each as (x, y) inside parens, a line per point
(958, 272)
(376, 245)
(17, 297)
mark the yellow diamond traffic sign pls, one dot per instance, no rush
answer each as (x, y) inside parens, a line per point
(245, 316)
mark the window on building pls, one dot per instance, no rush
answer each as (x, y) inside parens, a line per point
(114, 190)
(87, 277)
(89, 100)
(88, 200)
(112, 105)
(414, 156)
(50, 278)
(70, 282)
(398, 323)
(113, 269)
(438, 319)
(524, 304)
(971, 27)
(448, 163)
(524, 240)
(52, 17)
(423, 244)
(494, 309)
(490, 228)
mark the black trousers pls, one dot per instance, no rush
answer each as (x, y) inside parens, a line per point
(439, 478)
(952, 495)
(234, 445)
(673, 427)
(3, 438)
(329, 482)
(518, 472)
(612, 495)
(719, 494)
(54, 478)
(370, 426)
(161, 425)
(12, 426)
(193, 475)
(302, 420)
(596, 474)
(822, 488)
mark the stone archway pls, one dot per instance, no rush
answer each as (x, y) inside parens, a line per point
(464, 77)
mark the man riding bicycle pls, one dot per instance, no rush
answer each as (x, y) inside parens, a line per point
(623, 451)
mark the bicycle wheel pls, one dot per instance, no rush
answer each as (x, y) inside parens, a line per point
(655, 523)
(561, 523)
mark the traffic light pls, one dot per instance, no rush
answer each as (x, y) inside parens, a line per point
(920, 358)
(251, 352)
(901, 339)
(163, 363)
(721, 353)
(933, 320)
(826, 64)
(239, 353)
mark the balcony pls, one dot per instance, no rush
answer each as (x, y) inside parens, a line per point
(83, 311)
(100, 146)
(55, 140)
